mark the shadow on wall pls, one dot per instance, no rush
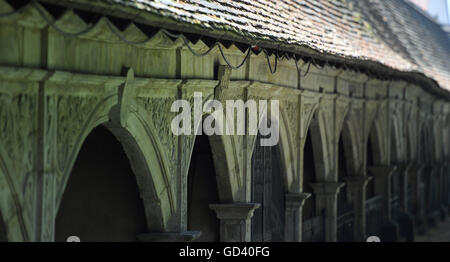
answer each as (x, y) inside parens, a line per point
(101, 201)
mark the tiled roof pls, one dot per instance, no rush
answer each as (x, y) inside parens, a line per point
(391, 32)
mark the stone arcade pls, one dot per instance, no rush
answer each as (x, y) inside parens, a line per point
(86, 147)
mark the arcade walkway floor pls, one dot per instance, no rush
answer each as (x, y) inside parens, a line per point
(440, 233)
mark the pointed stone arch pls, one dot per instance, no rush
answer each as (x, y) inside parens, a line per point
(147, 162)
(374, 156)
(321, 146)
(102, 200)
(411, 143)
(203, 190)
(157, 208)
(226, 163)
(425, 144)
(350, 139)
(375, 138)
(134, 128)
(396, 140)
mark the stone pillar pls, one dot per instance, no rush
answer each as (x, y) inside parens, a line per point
(443, 201)
(403, 172)
(235, 221)
(419, 197)
(431, 211)
(326, 196)
(414, 175)
(382, 176)
(293, 217)
(170, 237)
(405, 219)
(357, 190)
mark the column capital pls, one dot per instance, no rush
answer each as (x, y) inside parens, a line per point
(293, 216)
(235, 220)
(295, 201)
(382, 170)
(236, 211)
(327, 188)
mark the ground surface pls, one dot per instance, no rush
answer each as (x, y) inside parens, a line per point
(440, 233)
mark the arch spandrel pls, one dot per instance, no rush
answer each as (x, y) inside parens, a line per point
(18, 136)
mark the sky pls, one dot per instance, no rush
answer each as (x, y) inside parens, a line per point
(436, 8)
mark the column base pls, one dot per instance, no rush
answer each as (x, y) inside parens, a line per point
(406, 226)
(390, 232)
(187, 236)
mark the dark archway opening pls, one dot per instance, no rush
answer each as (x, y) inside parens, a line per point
(424, 157)
(374, 202)
(313, 221)
(370, 188)
(3, 234)
(101, 202)
(203, 191)
(395, 179)
(345, 207)
(267, 189)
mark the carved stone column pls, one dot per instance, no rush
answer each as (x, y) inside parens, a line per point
(414, 174)
(382, 175)
(357, 190)
(326, 195)
(235, 221)
(293, 217)
(403, 172)
(433, 213)
(443, 201)
(405, 218)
